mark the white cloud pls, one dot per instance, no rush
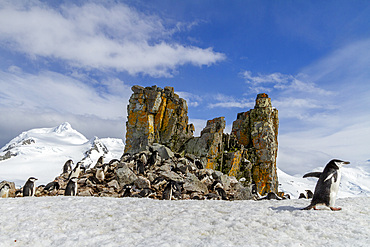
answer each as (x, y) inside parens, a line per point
(334, 125)
(48, 99)
(283, 82)
(98, 36)
(191, 99)
(225, 101)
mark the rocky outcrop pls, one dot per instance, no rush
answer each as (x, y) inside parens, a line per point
(156, 115)
(209, 145)
(257, 131)
(123, 178)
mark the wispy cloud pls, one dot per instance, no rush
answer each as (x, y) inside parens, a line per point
(333, 125)
(225, 101)
(193, 100)
(98, 36)
(279, 81)
(49, 98)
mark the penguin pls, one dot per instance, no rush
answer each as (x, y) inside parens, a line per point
(127, 192)
(302, 196)
(71, 189)
(100, 161)
(67, 167)
(52, 186)
(198, 164)
(154, 159)
(140, 167)
(100, 174)
(309, 194)
(172, 190)
(212, 196)
(76, 171)
(29, 188)
(327, 186)
(146, 192)
(220, 191)
(4, 191)
(270, 196)
(126, 157)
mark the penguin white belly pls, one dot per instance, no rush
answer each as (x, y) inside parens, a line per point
(4, 193)
(334, 189)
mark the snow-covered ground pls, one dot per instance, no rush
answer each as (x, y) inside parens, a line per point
(98, 221)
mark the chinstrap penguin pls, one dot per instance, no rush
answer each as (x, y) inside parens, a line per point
(67, 167)
(327, 186)
(76, 171)
(29, 188)
(71, 189)
(4, 191)
(52, 186)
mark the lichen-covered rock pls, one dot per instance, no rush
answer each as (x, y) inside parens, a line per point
(209, 144)
(257, 131)
(156, 115)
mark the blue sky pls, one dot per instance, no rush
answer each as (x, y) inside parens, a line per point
(76, 61)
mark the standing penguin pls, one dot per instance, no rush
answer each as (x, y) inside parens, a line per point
(220, 191)
(4, 191)
(100, 174)
(29, 188)
(71, 189)
(76, 171)
(52, 186)
(327, 186)
(154, 159)
(67, 167)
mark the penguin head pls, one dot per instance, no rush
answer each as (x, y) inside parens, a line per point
(6, 187)
(32, 179)
(338, 163)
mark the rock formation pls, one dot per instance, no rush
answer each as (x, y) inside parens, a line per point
(249, 152)
(208, 147)
(156, 115)
(257, 131)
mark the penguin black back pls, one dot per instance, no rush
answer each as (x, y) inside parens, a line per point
(71, 189)
(29, 187)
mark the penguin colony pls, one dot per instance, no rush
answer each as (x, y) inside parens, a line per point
(147, 174)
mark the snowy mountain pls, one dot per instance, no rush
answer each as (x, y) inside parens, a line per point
(355, 181)
(41, 153)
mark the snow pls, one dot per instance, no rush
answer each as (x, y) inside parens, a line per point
(42, 152)
(99, 221)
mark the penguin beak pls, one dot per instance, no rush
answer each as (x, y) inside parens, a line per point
(346, 162)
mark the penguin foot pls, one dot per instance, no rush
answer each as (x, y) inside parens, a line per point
(335, 209)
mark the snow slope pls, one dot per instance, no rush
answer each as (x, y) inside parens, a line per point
(103, 221)
(41, 153)
(355, 181)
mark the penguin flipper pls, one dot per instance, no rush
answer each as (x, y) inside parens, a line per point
(312, 174)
